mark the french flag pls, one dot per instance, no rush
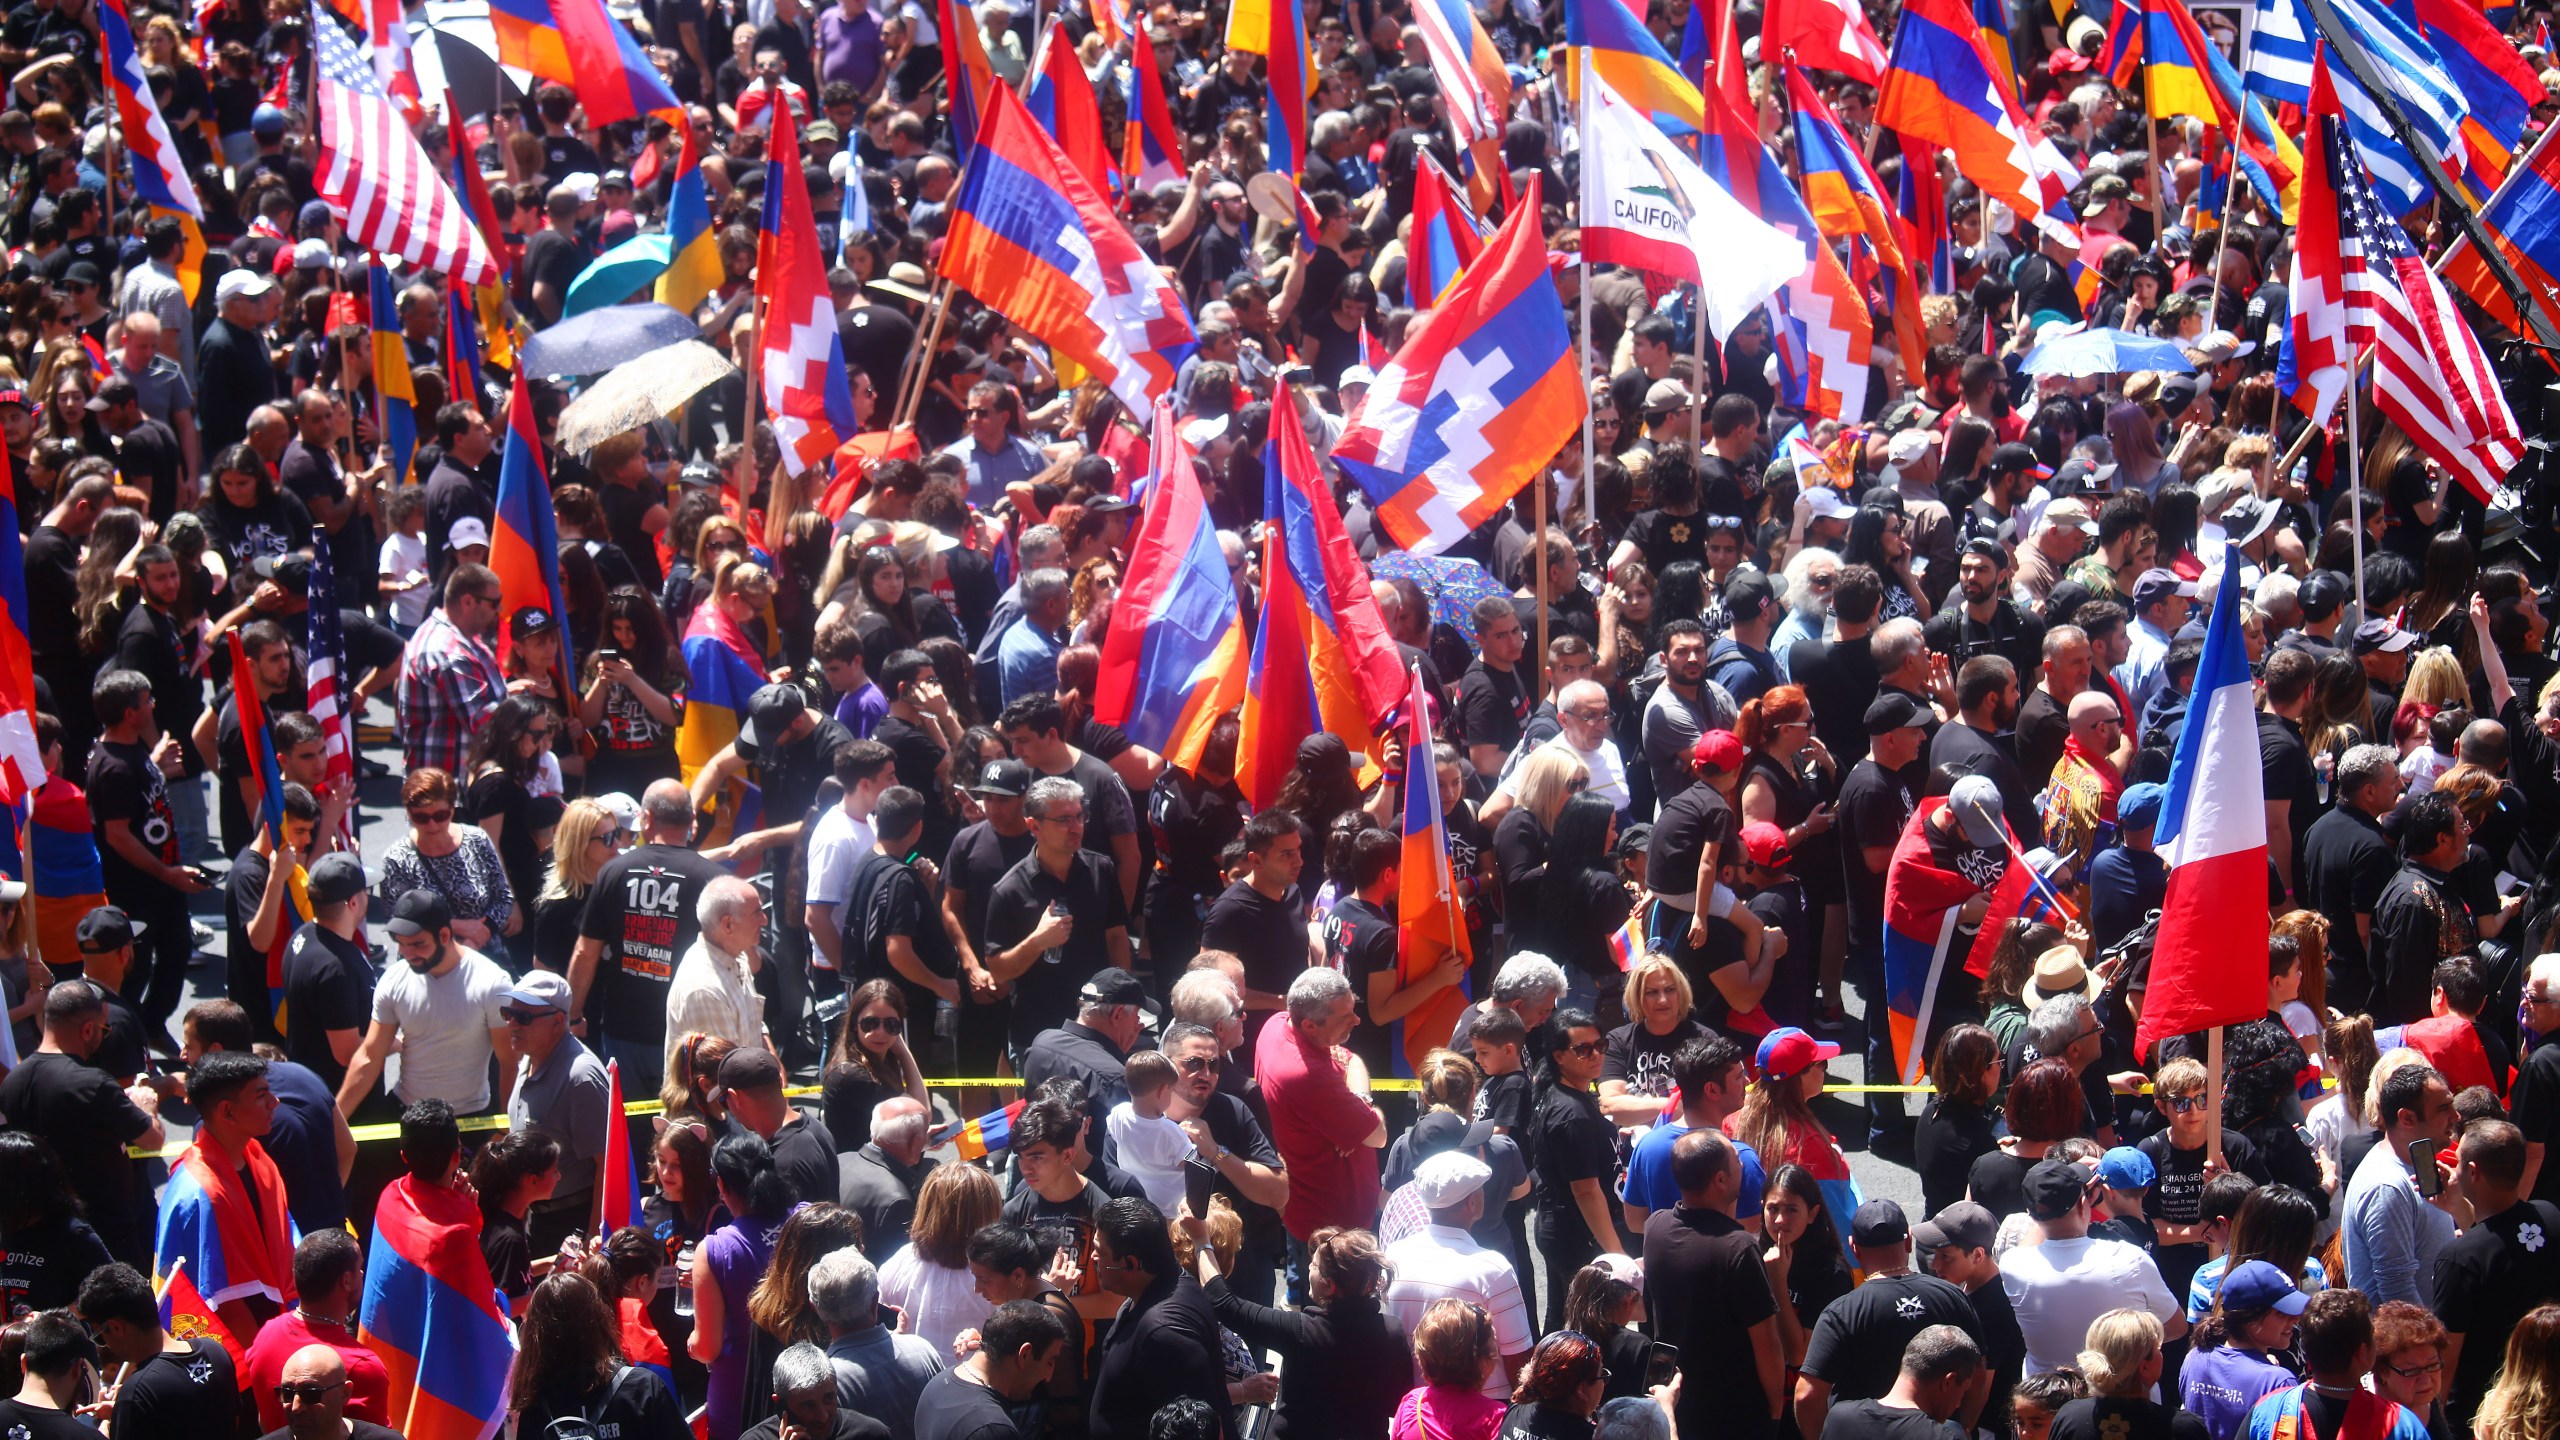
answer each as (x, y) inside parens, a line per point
(2209, 962)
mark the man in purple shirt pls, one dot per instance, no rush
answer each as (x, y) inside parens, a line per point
(849, 47)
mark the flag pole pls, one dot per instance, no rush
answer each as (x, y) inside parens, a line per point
(1539, 661)
(1590, 458)
(2213, 1095)
(2355, 498)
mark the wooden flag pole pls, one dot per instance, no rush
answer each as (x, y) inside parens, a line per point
(2213, 1095)
(1538, 565)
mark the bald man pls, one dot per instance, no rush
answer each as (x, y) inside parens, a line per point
(879, 1181)
(313, 1392)
(1581, 714)
(2082, 798)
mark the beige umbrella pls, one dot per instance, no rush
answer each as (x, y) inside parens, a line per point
(639, 391)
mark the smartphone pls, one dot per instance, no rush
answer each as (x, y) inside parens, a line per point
(608, 653)
(1662, 1366)
(1199, 1182)
(2422, 1164)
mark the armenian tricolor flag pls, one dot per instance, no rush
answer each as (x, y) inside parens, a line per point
(1290, 65)
(1446, 238)
(1848, 201)
(269, 777)
(617, 1178)
(2522, 220)
(579, 44)
(1165, 681)
(432, 1315)
(393, 389)
(1151, 144)
(989, 1133)
(693, 244)
(1060, 96)
(1322, 657)
(1945, 88)
(967, 77)
(1626, 55)
(21, 758)
(1431, 921)
(524, 545)
(1921, 905)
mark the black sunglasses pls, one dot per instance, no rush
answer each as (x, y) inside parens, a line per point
(890, 1023)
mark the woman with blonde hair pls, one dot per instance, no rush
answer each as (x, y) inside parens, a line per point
(2122, 1359)
(928, 1280)
(1549, 776)
(2524, 1402)
(1635, 1077)
(1449, 1083)
(2435, 684)
(586, 836)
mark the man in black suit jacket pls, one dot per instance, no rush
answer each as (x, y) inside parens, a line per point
(1165, 1344)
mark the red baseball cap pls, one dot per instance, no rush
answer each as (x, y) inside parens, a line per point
(1787, 1052)
(1766, 844)
(1717, 750)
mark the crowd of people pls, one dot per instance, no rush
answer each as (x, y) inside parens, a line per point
(1003, 1076)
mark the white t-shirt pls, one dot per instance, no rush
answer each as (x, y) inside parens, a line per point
(444, 1023)
(2058, 1287)
(836, 848)
(404, 557)
(1152, 1151)
(1608, 772)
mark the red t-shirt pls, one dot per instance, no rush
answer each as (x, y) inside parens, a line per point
(368, 1383)
(1319, 1127)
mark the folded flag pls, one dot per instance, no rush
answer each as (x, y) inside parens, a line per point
(2522, 220)
(1830, 35)
(617, 1179)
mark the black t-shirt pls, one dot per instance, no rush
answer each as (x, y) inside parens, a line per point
(1696, 818)
(955, 1408)
(126, 790)
(2107, 1417)
(1193, 821)
(1493, 705)
(149, 643)
(1510, 1103)
(1109, 812)
(625, 507)
(2177, 1196)
(979, 857)
(1875, 1420)
(1543, 1422)
(168, 1395)
(1857, 1344)
(804, 1151)
(917, 757)
(1643, 1059)
(1231, 1124)
(1663, 537)
(553, 258)
(900, 903)
(328, 985)
(37, 1423)
(1875, 803)
(2286, 773)
(41, 1266)
(1709, 1288)
(2346, 863)
(85, 1116)
(1574, 1142)
(1360, 941)
(1269, 935)
(519, 815)
(1044, 996)
(2535, 1107)
(508, 1249)
(2486, 1281)
(642, 908)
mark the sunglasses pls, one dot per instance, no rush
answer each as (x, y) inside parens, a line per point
(308, 1393)
(1586, 1049)
(2185, 1104)
(432, 817)
(890, 1023)
(1196, 1064)
(522, 1018)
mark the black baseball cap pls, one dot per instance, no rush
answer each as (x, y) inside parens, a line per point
(290, 571)
(2322, 593)
(1112, 985)
(419, 912)
(105, 930)
(1002, 777)
(531, 620)
(1879, 1222)
(770, 712)
(336, 877)
(749, 1067)
(2054, 1188)
(1447, 1130)
(1893, 711)
(1747, 595)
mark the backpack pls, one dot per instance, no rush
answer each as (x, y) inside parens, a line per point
(579, 1425)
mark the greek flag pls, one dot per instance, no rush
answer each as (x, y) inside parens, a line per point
(2401, 59)
(2280, 52)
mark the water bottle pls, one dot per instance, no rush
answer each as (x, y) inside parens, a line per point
(1055, 954)
(684, 1280)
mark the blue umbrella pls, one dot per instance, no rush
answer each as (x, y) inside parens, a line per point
(618, 274)
(1453, 584)
(2105, 352)
(599, 340)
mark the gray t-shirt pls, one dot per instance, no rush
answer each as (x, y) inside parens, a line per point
(162, 388)
(1672, 725)
(444, 1023)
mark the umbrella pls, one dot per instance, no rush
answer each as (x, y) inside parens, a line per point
(1454, 585)
(599, 340)
(634, 394)
(618, 274)
(2105, 352)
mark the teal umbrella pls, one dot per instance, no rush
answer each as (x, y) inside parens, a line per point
(618, 274)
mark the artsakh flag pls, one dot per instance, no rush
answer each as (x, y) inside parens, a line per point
(805, 389)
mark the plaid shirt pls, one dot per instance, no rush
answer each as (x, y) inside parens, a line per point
(449, 684)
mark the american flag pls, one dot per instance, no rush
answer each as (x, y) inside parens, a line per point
(326, 662)
(373, 171)
(2430, 375)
